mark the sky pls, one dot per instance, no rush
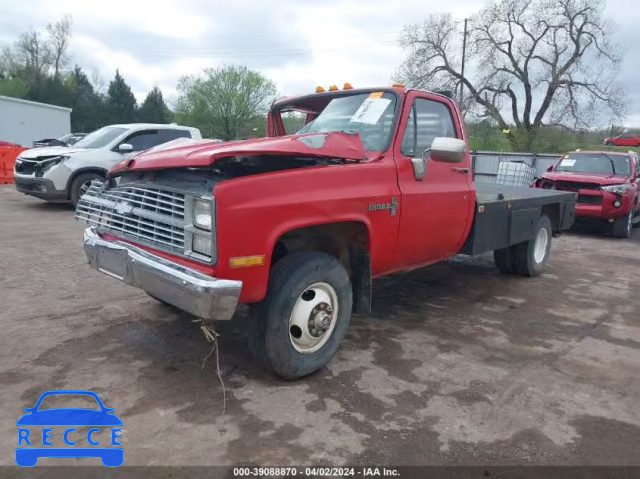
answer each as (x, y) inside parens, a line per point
(297, 43)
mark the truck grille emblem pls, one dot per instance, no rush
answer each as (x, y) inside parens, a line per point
(123, 207)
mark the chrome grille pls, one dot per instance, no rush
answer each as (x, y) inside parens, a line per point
(149, 216)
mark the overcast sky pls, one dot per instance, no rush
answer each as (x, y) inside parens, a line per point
(297, 43)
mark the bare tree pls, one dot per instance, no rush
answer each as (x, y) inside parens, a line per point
(58, 42)
(530, 63)
(97, 81)
(28, 57)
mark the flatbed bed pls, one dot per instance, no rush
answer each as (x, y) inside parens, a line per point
(506, 215)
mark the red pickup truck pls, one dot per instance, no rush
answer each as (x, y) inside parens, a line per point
(607, 183)
(297, 225)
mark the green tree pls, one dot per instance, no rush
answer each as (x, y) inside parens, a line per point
(121, 104)
(154, 109)
(224, 101)
(13, 87)
(88, 107)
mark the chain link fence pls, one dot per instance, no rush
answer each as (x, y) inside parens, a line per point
(516, 169)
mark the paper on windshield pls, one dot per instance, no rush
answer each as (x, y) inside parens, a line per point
(371, 109)
(567, 162)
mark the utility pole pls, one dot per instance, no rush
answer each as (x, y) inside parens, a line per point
(464, 52)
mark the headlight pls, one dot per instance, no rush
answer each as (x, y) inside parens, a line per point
(202, 244)
(47, 164)
(202, 214)
(617, 189)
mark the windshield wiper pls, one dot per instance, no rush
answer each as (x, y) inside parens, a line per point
(613, 165)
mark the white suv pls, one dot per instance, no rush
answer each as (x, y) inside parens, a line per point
(63, 174)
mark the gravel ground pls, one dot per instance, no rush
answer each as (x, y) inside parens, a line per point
(459, 365)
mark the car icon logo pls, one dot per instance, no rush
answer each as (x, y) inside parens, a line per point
(34, 444)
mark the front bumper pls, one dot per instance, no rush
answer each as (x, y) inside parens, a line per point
(42, 188)
(186, 289)
(601, 205)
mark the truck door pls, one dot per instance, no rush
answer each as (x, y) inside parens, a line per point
(436, 212)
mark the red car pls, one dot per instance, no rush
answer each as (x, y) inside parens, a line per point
(607, 184)
(626, 139)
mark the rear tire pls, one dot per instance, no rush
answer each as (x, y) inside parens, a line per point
(282, 332)
(504, 260)
(622, 226)
(530, 257)
(79, 185)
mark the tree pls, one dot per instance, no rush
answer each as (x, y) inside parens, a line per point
(13, 87)
(530, 63)
(121, 103)
(154, 109)
(224, 100)
(58, 40)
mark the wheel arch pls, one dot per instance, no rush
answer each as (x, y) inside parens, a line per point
(348, 241)
(79, 171)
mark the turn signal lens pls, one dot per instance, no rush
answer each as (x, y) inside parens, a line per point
(333, 88)
(245, 261)
(319, 89)
(347, 86)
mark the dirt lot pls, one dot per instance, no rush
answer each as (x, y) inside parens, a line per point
(458, 365)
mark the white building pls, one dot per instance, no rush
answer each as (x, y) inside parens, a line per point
(23, 121)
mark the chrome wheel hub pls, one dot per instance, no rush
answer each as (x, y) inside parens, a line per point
(313, 318)
(540, 247)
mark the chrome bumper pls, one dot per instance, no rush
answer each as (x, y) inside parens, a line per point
(186, 289)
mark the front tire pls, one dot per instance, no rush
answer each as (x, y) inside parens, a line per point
(298, 327)
(622, 226)
(80, 184)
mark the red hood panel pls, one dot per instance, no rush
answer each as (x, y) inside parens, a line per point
(595, 178)
(327, 145)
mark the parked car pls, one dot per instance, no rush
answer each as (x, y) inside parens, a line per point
(626, 139)
(378, 181)
(63, 174)
(607, 184)
(65, 140)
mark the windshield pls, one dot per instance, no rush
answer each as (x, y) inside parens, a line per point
(370, 115)
(595, 163)
(101, 137)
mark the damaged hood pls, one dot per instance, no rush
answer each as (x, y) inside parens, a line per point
(49, 151)
(326, 145)
(595, 178)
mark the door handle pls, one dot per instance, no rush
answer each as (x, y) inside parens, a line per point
(461, 169)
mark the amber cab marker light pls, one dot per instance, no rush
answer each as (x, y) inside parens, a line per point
(347, 86)
(319, 89)
(333, 88)
(246, 261)
(398, 85)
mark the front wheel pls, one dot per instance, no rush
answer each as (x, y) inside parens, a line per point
(80, 185)
(622, 226)
(303, 319)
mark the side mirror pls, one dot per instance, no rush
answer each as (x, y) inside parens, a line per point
(550, 168)
(125, 147)
(109, 410)
(29, 409)
(448, 150)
